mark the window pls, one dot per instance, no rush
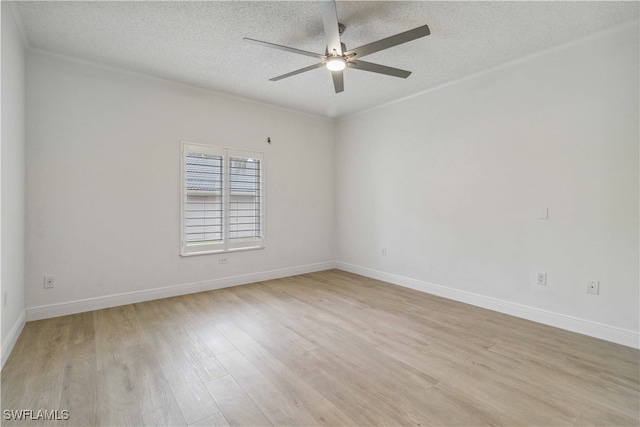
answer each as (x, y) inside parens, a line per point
(222, 200)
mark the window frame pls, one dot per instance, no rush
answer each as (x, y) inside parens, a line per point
(190, 249)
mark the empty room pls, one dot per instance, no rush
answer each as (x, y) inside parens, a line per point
(301, 213)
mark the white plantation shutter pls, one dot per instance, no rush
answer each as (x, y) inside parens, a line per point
(245, 199)
(203, 219)
(203, 213)
(222, 195)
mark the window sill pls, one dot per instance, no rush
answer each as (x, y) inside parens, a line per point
(221, 251)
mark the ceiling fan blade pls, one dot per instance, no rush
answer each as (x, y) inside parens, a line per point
(380, 69)
(330, 22)
(392, 41)
(301, 70)
(338, 80)
(285, 48)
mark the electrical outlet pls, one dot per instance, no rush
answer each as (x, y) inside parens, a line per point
(593, 287)
(383, 252)
(542, 279)
(223, 260)
(48, 282)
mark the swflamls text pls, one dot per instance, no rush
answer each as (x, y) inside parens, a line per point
(39, 414)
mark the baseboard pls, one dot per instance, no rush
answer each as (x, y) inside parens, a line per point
(586, 327)
(10, 341)
(89, 304)
(617, 335)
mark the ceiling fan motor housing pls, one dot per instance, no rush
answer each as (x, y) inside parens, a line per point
(342, 46)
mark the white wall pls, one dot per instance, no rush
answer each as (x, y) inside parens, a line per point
(450, 182)
(103, 184)
(12, 178)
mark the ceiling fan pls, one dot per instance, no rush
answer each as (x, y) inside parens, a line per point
(337, 57)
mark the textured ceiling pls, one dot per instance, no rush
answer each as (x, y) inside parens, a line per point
(200, 43)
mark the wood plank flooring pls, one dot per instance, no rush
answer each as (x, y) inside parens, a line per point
(327, 348)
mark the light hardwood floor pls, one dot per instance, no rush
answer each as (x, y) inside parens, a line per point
(328, 348)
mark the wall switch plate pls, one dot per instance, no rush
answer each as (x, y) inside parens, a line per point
(541, 279)
(223, 260)
(48, 282)
(383, 252)
(593, 287)
(543, 213)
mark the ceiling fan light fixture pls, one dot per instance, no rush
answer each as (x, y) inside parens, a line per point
(336, 63)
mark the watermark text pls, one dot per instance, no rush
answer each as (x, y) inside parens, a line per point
(38, 414)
